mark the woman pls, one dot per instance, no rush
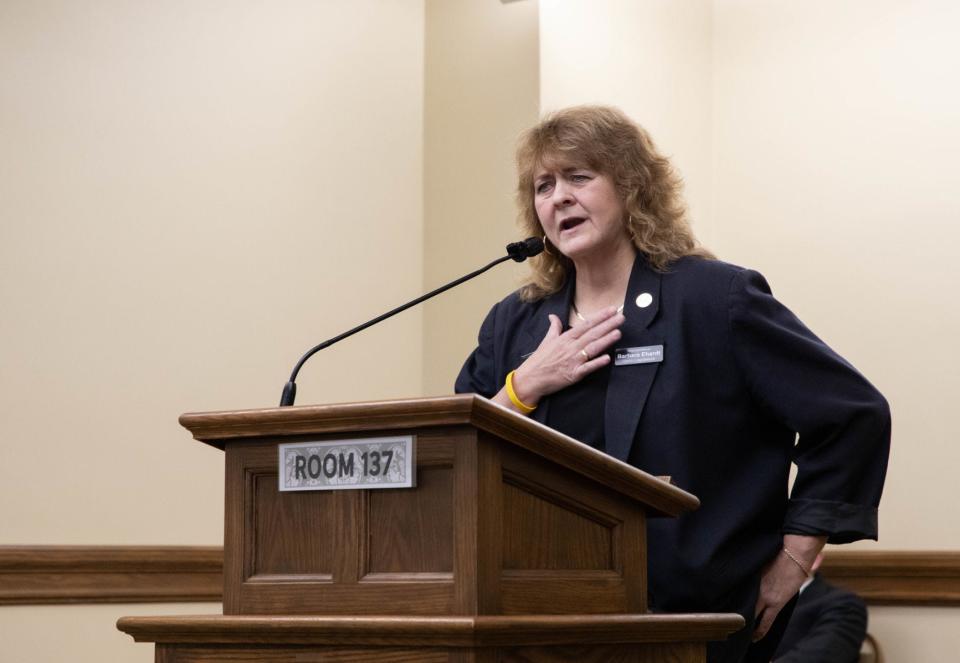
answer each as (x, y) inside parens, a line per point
(631, 338)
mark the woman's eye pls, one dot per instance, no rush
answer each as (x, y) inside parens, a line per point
(543, 187)
(579, 177)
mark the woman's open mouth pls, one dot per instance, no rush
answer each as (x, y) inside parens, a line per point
(571, 223)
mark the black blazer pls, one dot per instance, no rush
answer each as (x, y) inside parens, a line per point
(827, 626)
(740, 377)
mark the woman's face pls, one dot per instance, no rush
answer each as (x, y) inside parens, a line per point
(579, 209)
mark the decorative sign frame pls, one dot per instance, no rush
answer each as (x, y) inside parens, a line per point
(350, 464)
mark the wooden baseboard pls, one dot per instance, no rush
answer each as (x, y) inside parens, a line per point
(148, 574)
(897, 577)
(110, 574)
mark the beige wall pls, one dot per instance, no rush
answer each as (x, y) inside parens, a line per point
(192, 200)
(191, 194)
(650, 58)
(481, 92)
(817, 140)
(81, 634)
(835, 142)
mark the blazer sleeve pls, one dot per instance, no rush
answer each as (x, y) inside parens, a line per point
(478, 375)
(842, 421)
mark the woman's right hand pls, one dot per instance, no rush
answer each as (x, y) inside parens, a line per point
(559, 360)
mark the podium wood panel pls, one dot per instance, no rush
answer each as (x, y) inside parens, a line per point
(489, 529)
(272, 549)
(413, 528)
(670, 653)
(390, 547)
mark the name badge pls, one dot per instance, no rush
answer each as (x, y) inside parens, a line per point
(649, 354)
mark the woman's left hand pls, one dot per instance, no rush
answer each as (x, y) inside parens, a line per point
(782, 579)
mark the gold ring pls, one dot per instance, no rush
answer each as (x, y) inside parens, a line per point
(585, 355)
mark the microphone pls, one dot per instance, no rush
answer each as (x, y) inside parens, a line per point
(520, 251)
(516, 251)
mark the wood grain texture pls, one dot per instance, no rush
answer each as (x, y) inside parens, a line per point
(888, 577)
(649, 653)
(549, 531)
(488, 508)
(494, 631)
(287, 535)
(411, 531)
(338, 552)
(217, 427)
(467, 495)
(299, 654)
(641, 653)
(109, 574)
(570, 546)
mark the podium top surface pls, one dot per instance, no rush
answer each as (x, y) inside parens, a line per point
(217, 428)
(438, 631)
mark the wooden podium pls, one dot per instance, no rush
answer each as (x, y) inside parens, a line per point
(516, 544)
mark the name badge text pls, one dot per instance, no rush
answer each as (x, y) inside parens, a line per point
(649, 354)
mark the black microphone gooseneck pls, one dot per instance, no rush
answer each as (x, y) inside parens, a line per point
(517, 251)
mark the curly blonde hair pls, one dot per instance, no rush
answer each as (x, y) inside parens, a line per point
(605, 140)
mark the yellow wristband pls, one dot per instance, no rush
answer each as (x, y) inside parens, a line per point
(517, 403)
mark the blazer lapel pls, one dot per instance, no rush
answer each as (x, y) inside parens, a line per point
(629, 385)
(559, 305)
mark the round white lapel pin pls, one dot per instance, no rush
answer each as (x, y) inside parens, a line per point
(644, 299)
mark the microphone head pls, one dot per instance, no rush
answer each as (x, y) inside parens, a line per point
(534, 246)
(528, 248)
